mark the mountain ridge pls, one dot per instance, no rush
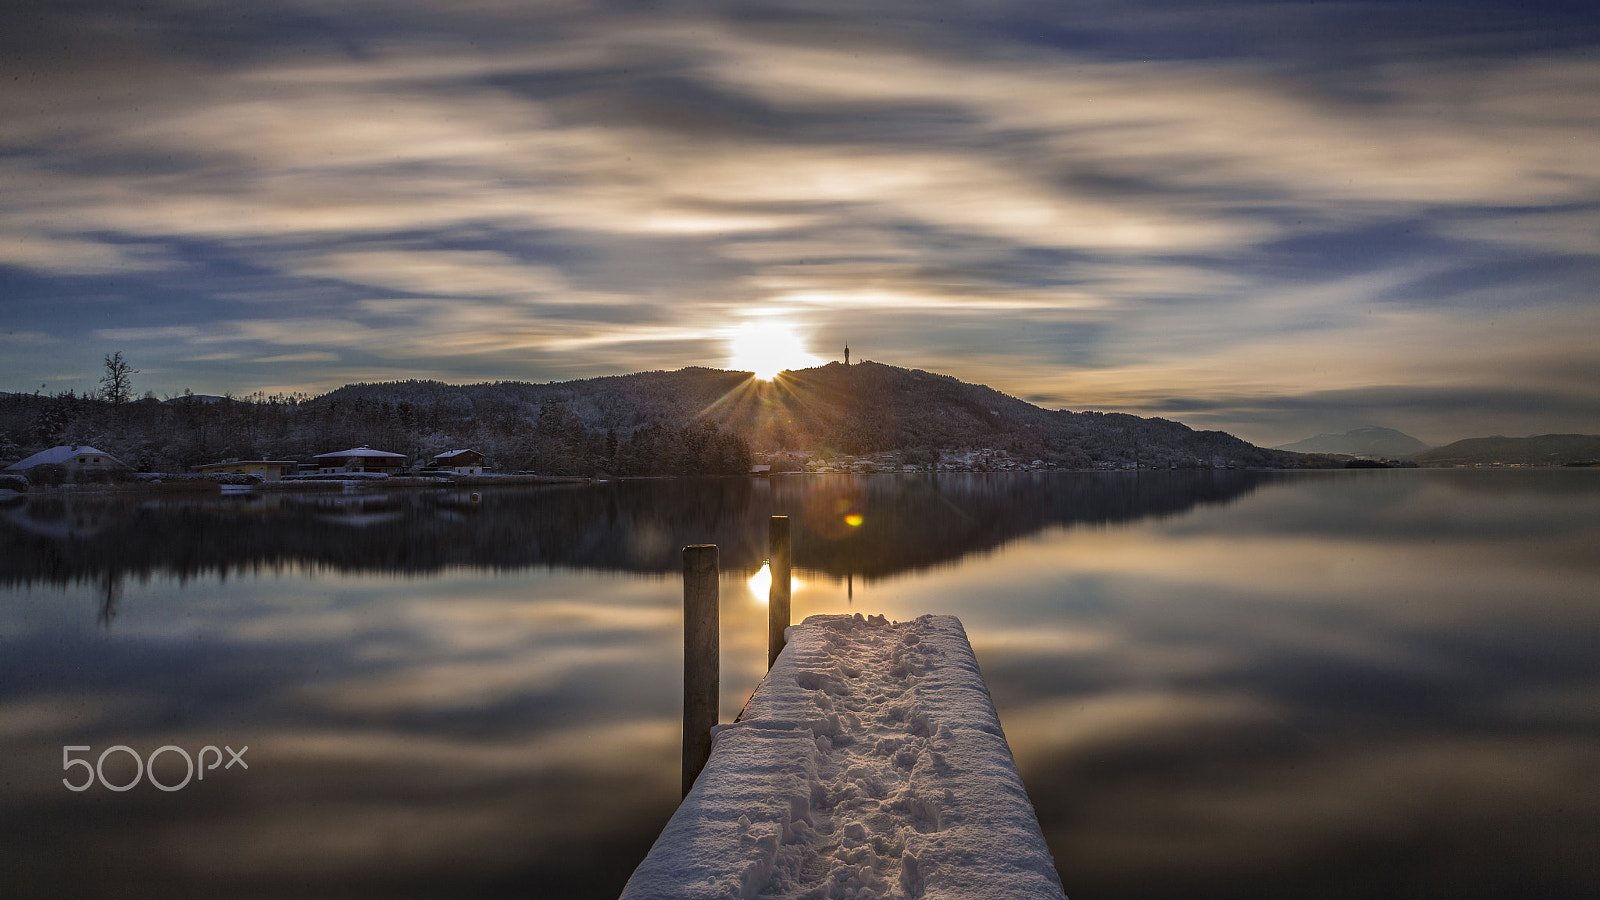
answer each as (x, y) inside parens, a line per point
(863, 408)
(1371, 441)
(1535, 450)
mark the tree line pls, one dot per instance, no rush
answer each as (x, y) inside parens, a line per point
(690, 421)
(155, 435)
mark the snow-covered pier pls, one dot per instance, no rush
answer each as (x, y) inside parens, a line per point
(869, 763)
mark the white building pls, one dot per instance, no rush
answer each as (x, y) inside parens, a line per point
(75, 458)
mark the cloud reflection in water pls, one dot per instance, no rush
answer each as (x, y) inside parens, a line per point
(1319, 684)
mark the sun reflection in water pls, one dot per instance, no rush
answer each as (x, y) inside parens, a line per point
(761, 583)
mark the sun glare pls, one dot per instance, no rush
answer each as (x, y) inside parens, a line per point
(767, 348)
(761, 583)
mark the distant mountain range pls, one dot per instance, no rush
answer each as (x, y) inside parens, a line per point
(1374, 442)
(858, 409)
(1539, 450)
(1371, 441)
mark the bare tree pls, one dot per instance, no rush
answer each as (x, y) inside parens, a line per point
(118, 380)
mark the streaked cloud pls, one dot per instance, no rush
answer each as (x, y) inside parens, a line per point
(147, 334)
(75, 256)
(1169, 205)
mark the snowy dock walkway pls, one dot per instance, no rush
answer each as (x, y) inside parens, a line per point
(869, 763)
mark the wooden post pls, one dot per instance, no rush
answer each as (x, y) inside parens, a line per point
(701, 652)
(778, 593)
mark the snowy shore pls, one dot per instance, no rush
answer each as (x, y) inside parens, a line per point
(869, 763)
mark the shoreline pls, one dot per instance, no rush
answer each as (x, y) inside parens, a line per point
(189, 486)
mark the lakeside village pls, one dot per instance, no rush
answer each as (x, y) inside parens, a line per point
(86, 466)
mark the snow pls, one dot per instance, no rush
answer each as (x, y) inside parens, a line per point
(869, 763)
(362, 451)
(55, 456)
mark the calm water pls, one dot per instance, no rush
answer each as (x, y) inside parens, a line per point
(1215, 684)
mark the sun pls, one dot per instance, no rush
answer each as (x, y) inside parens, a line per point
(767, 348)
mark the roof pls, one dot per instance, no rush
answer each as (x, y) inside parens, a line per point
(451, 454)
(58, 455)
(250, 462)
(361, 451)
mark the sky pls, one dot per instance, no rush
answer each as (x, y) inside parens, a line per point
(1277, 219)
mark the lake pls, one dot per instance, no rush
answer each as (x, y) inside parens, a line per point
(1215, 684)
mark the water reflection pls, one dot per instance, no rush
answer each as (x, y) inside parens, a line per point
(1375, 684)
(874, 527)
(1291, 697)
(459, 736)
(760, 584)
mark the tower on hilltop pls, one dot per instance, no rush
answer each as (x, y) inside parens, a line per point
(847, 354)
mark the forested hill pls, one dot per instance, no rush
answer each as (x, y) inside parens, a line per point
(858, 409)
(1538, 450)
(692, 421)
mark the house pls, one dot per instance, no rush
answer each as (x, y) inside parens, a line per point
(461, 462)
(266, 469)
(74, 458)
(359, 459)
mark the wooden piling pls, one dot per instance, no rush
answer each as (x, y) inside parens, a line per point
(778, 560)
(701, 652)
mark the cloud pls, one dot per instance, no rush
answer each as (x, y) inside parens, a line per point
(520, 194)
(1210, 128)
(47, 253)
(25, 337)
(314, 356)
(476, 273)
(1109, 722)
(147, 334)
(1564, 231)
